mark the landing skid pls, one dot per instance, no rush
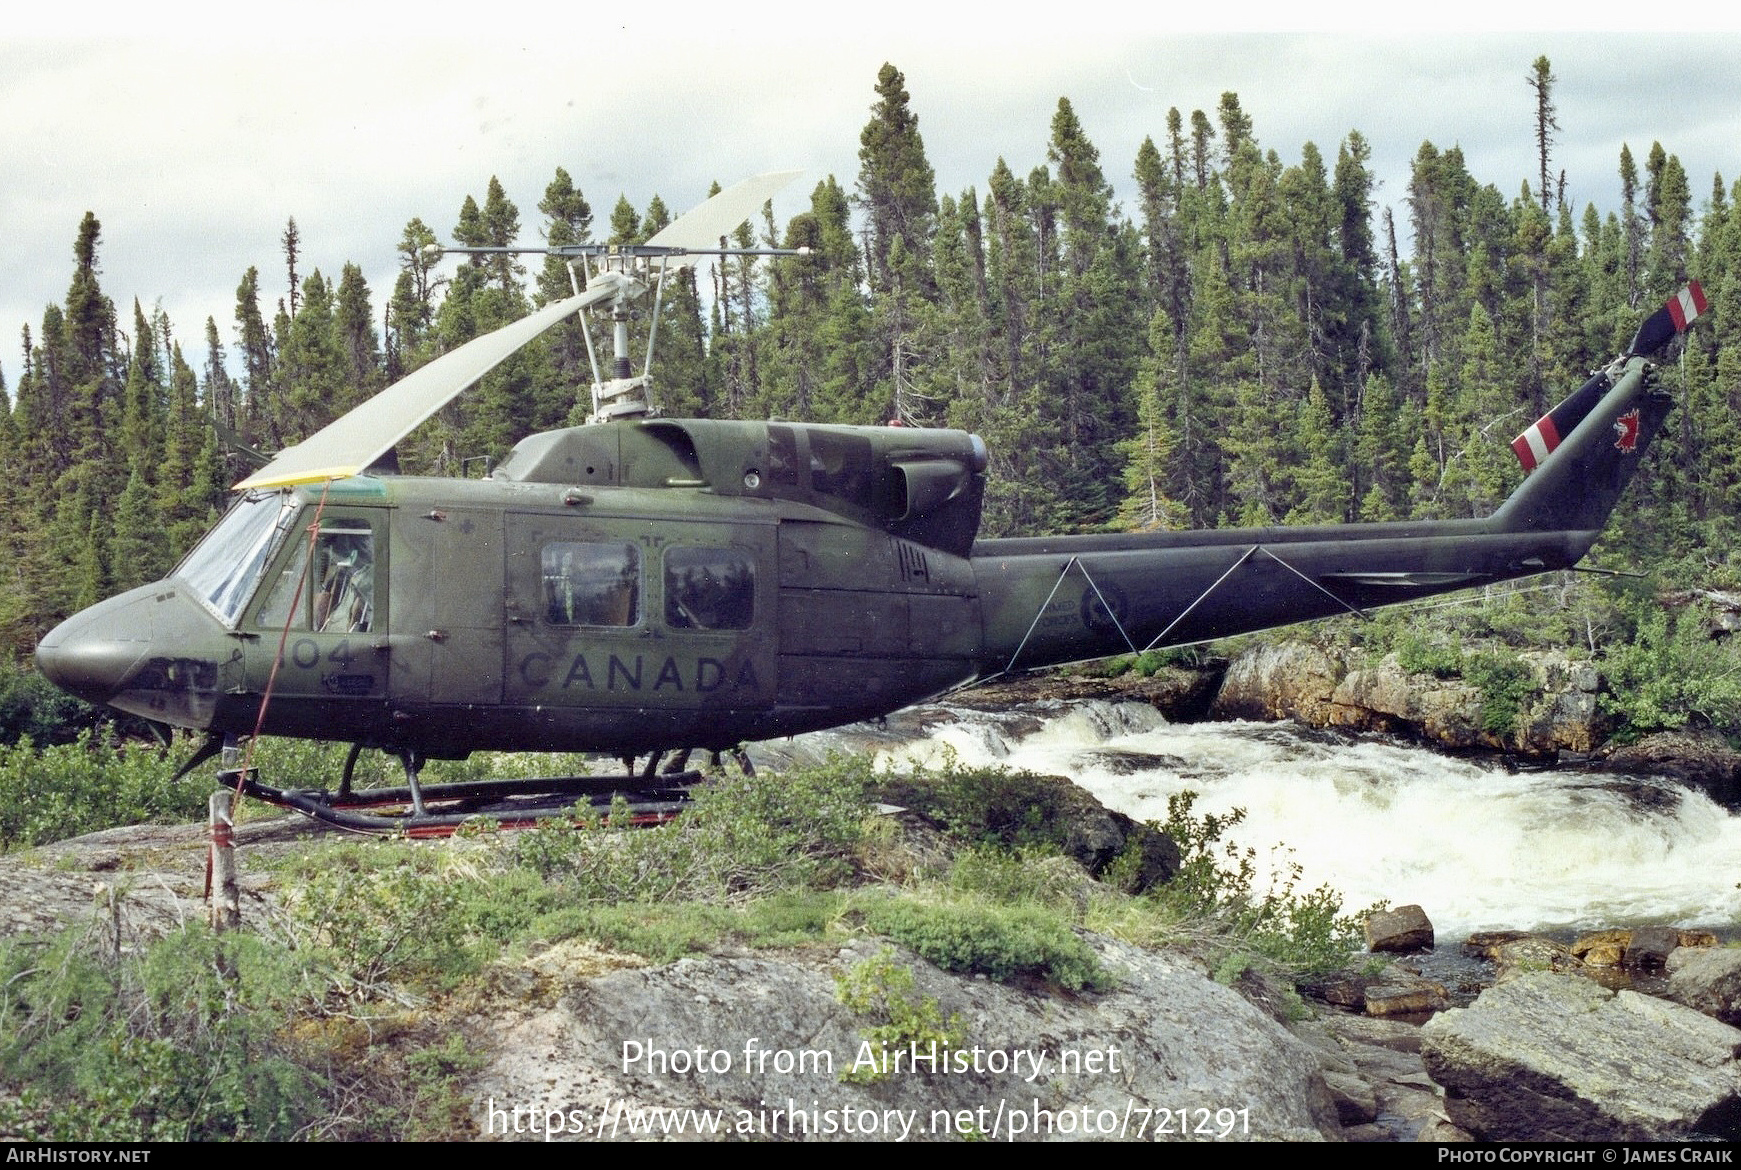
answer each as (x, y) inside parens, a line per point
(415, 809)
(512, 804)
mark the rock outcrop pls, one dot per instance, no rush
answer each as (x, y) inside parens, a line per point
(1402, 930)
(1548, 1057)
(1707, 979)
(749, 1042)
(1332, 688)
(1702, 759)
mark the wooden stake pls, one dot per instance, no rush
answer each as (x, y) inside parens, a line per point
(222, 893)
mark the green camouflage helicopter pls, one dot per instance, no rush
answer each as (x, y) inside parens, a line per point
(645, 586)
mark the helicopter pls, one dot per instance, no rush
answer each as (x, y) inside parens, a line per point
(648, 586)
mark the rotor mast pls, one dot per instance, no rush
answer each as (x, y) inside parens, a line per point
(619, 274)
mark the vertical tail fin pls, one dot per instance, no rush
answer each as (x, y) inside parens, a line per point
(1605, 426)
(1541, 438)
(1576, 489)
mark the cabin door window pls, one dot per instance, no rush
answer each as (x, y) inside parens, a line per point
(592, 584)
(338, 597)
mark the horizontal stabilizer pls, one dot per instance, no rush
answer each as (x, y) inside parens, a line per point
(1406, 580)
(1575, 489)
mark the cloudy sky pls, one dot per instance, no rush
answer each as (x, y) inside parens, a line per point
(194, 138)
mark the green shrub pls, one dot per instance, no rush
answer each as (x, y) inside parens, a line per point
(1506, 685)
(663, 931)
(989, 806)
(741, 837)
(1418, 656)
(1295, 932)
(1024, 875)
(1672, 673)
(178, 1044)
(33, 708)
(1000, 942)
(882, 989)
(47, 794)
(384, 915)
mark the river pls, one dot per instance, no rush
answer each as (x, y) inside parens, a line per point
(1478, 846)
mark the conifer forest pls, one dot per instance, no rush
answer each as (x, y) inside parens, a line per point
(1250, 340)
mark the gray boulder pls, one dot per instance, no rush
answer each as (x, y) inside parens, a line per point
(1550, 1057)
(1707, 979)
(745, 1037)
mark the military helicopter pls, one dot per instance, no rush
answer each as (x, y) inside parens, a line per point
(647, 586)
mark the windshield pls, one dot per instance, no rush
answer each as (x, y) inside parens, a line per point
(224, 567)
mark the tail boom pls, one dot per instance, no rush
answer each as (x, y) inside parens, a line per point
(1049, 600)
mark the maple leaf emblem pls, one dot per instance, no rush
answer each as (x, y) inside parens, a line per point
(1626, 431)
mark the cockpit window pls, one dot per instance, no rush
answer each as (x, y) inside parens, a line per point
(345, 561)
(224, 568)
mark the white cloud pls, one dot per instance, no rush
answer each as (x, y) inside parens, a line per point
(194, 148)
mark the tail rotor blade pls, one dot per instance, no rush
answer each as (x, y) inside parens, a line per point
(1676, 314)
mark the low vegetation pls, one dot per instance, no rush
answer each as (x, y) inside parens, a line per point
(321, 1019)
(1665, 667)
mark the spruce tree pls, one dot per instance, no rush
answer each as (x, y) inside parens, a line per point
(85, 357)
(312, 364)
(1541, 80)
(411, 311)
(896, 185)
(1148, 453)
(254, 418)
(356, 339)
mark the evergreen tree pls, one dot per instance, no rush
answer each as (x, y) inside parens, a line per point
(221, 391)
(1541, 80)
(355, 336)
(1671, 216)
(411, 311)
(1320, 489)
(139, 546)
(256, 343)
(86, 360)
(312, 364)
(499, 227)
(818, 356)
(485, 294)
(683, 376)
(896, 184)
(1381, 452)
(963, 373)
(1633, 226)
(1146, 506)
(567, 220)
(1096, 316)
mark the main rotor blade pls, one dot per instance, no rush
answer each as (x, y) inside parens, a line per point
(719, 216)
(347, 445)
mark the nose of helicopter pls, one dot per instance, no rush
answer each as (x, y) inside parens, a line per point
(93, 653)
(154, 652)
